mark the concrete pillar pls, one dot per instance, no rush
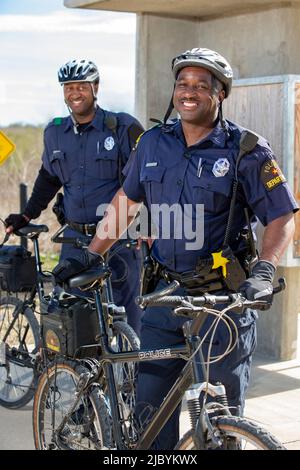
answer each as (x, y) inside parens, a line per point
(159, 39)
(256, 44)
(277, 327)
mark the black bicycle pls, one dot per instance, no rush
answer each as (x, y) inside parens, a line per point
(78, 405)
(24, 351)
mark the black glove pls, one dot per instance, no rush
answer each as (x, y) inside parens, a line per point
(71, 266)
(259, 285)
(17, 221)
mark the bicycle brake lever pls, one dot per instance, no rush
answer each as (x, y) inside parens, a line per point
(186, 311)
(281, 285)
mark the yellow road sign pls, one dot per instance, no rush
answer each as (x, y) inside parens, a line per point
(6, 147)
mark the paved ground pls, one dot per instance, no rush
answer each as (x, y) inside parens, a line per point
(274, 400)
(16, 429)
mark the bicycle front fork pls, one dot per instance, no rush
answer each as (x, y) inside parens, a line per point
(199, 415)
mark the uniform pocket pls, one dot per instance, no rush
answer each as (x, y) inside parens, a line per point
(107, 163)
(58, 165)
(152, 178)
(213, 192)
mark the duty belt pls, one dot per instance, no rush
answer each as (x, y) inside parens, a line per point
(85, 229)
(222, 269)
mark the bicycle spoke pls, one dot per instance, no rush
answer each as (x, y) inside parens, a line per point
(19, 339)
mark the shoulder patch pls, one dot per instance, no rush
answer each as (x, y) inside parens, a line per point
(144, 133)
(57, 121)
(271, 175)
(137, 140)
(134, 132)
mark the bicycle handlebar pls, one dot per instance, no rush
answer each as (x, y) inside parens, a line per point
(82, 241)
(164, 299)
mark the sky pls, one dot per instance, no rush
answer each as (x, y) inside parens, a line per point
(38, 36)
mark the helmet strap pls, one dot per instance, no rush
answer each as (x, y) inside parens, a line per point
(170, 108)
(94, 95)
(222, 120)
(75, 123)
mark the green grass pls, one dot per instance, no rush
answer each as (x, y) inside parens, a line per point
(49, 261)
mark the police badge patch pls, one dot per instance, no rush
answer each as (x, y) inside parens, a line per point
(109, 143)
(221, 167)
(271, 175)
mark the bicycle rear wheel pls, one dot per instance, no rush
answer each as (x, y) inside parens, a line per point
(19, 340)
(236, 434)
(87, 428)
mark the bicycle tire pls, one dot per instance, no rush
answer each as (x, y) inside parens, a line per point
(81, 430)
(125, 373)
(23, 379)
(244, 430)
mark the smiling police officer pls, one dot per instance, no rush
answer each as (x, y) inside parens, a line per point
(202, 158)
(85, 154)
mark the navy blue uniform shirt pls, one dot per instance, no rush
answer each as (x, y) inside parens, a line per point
(87, 163)
(162, 169)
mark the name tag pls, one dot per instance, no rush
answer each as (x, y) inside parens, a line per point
(151, 164)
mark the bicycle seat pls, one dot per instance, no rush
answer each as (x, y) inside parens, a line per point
(32, 229)
(88, 277)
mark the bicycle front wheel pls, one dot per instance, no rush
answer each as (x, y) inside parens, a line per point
(124, 339)
(236, 434)
(19, 340)
(87, 428)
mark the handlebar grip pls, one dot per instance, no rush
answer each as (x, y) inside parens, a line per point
(145, 300)
(167, 301)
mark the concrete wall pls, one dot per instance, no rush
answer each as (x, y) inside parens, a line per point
(277, 327)
(158, 41)
(256, 44)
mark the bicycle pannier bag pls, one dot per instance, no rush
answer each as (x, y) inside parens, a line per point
(17, 269)
(70, 325)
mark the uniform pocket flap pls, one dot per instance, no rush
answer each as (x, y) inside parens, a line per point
(105, 154)
(153, 173)
(221, 185)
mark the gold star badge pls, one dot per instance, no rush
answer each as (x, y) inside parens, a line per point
(220, 262)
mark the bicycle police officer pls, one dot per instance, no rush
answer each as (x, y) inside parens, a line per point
(204, 159)
(85, 153)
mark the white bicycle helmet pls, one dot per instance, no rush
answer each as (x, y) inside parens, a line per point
(208, 59)
(78, 71)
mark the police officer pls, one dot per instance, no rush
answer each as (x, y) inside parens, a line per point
(85, 153)
(195, 160)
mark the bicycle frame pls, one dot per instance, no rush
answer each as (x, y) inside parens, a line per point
(188, 376)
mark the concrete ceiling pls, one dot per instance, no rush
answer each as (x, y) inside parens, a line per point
(182, 8)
